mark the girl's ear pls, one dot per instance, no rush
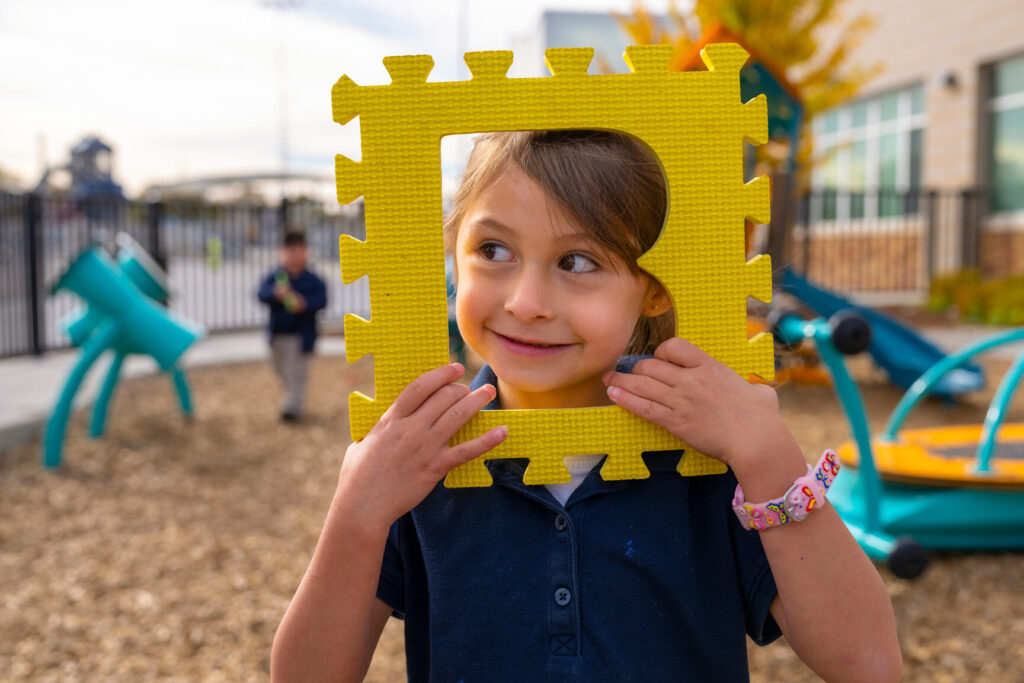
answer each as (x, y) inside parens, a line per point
(656, 300)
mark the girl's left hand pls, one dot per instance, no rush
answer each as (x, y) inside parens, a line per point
(701, 401)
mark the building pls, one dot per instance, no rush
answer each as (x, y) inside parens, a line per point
(599, 30)
(930, 157)
(922, 174)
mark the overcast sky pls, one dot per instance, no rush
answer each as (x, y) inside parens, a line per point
(191, 87)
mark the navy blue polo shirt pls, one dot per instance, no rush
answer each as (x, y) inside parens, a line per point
(283, 321)
(642, 580)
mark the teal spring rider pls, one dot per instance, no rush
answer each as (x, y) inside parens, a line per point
(948, 487)
(124, 314)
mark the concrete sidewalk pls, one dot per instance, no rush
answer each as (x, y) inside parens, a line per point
(29, 386)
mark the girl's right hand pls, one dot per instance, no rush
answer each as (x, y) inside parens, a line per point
(400, 461)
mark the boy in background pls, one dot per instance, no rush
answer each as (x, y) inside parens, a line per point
(294, 295)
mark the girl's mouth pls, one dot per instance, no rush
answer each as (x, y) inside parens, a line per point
(534, 349)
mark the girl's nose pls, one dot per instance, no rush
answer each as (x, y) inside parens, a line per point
(529, 298)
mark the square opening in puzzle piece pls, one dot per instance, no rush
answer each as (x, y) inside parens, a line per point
(539, 267)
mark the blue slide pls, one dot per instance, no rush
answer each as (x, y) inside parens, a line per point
(896, 348)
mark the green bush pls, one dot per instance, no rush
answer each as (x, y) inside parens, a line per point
(996, 302)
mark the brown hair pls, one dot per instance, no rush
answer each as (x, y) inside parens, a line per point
(611, 184)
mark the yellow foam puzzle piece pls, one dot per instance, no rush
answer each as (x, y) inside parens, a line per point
(693, 121)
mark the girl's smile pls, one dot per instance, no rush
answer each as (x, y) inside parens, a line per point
(548, 309)
(531, 348)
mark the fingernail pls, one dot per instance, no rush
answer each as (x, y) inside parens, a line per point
(491, 389)
(614, 392)
(503, 431)
(457, 366)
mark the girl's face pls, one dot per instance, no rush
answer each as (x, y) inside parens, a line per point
(547, 309)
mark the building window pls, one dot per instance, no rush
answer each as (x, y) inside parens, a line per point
(1006, 112)
(872, 156)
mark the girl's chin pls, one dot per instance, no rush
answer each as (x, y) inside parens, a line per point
(570, 390)
(524, 382)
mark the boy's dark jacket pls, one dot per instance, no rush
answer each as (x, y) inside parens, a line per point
(312, 289)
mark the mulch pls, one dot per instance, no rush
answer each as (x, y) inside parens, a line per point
(170, 549)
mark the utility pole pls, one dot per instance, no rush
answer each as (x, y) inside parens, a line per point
(282, 85)
(461, 70)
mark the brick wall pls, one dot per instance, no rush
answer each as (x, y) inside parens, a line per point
(1002, 254)
(881, 262)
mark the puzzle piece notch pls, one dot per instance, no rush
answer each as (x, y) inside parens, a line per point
(348, 179)
(361, 417)
(726, 58)
(760, 344)
(756, 127)
(359, 337)
(536, 473)
(472, 473)
(759, 278)
(621, 465)
(352, 253)
(690, 466)
(344, 100)
(568, 62)
(489, 65)
(648, 58)
(409, 69)
(757, 199)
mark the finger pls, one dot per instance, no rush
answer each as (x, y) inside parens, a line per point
(681, 352)
(662, 370)
(421, 388)
(462, 412)
(643, 386)
(474, 448)
(638, 405)
(440, 401)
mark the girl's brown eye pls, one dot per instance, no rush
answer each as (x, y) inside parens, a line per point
(577, 263)
(492, 251)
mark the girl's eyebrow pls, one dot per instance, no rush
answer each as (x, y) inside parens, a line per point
(488, 222)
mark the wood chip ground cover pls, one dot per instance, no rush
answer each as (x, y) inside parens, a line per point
(169, 549)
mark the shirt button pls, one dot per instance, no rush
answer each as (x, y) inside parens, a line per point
(562, 597)
(561, 522)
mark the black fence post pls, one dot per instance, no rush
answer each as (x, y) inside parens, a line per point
(804, 217)
(282, 218)
(154, 220)
(931, 234)
(32, 213)
(780, 223)
(969, 230)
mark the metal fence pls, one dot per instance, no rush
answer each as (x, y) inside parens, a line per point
(896, 242)
(215, 256)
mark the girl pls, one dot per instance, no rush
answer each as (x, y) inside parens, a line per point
(653, 579)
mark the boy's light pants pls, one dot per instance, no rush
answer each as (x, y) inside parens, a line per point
(291, 365)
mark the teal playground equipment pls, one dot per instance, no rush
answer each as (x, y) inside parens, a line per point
(944, 488)
(896, 348)
(123, 314)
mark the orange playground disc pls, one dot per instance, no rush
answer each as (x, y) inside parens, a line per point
(946, 456)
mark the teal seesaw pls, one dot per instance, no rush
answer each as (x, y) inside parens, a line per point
(123, 314)
(947, 487)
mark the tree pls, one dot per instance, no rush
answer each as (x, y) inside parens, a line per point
(784, 31)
